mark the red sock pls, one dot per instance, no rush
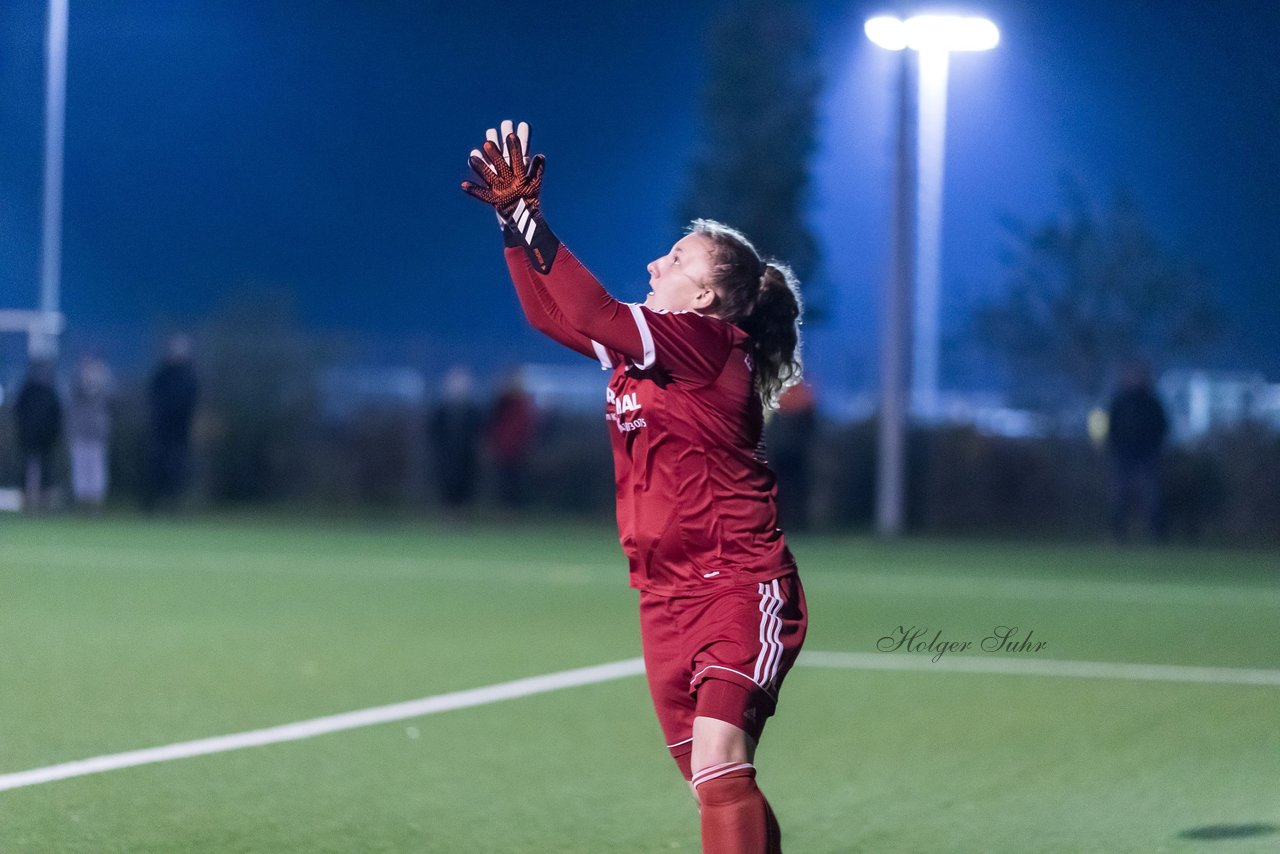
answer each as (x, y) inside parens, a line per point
(736, 818)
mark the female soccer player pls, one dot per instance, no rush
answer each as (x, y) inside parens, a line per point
(722, 612)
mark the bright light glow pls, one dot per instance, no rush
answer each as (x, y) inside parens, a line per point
(933, 33)
(951, 32)
(888, 33)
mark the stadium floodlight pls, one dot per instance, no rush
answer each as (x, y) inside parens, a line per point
(933, 32)
(933, 37)
(918, 224)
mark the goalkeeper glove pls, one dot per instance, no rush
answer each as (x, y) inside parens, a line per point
(512, 183)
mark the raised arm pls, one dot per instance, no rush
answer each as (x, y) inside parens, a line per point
(562, 300)
(539, 309)
(586, 306)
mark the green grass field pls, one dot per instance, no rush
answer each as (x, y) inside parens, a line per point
(123, 634)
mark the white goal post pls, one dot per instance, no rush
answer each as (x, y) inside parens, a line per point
(42, 328)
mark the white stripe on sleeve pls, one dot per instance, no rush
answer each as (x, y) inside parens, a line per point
(646, 337)
(524, 221)
(606, 364)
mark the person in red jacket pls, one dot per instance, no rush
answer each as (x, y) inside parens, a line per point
(722, 610)
(509, 436)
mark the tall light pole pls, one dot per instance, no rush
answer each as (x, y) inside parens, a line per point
(917, 238)
(934, 38)
(55, 101)
(895, 323)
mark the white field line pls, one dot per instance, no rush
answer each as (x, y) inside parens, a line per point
(1087, 590)
(618, 670)
(332, 723)
(1042, 667)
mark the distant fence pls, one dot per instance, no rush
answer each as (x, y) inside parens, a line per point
(1223, 490)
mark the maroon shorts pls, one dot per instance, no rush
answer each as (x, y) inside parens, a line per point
(720, 655)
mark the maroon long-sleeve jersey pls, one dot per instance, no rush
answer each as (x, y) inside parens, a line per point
(697, 503)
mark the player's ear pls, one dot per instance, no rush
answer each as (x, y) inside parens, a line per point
(705, 299)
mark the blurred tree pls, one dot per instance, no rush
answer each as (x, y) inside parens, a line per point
(261, 406)
(1088, 291)
(760, 117)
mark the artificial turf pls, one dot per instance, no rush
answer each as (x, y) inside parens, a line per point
(124, 633)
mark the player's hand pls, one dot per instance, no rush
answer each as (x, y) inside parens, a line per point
(508, 176)
(500, 139)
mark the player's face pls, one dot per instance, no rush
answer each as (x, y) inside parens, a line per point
(678, 280)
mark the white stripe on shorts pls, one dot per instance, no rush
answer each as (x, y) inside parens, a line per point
(698, 675)
(770, 634)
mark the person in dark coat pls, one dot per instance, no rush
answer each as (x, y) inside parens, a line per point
(38, 413)
(172, 394)
(1137, 427)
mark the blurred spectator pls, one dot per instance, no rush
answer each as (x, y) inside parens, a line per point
(38, 413)
(1136, 431)
(88, 432)
(455, 425)
(510, 439)
(172, 394)
(789, 438)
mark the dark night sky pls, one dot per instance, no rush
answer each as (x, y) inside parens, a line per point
(317, 147)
